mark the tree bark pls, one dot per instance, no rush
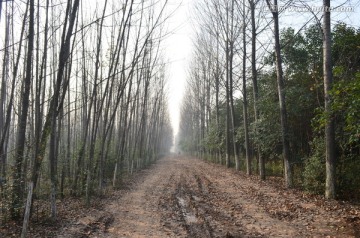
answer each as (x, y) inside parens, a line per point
(231, 42)
(255, 85)
(22, 119)
(5, 70)
(245, 102)
(57, 99)
(330, 191)
(282, 102)
(27, 211)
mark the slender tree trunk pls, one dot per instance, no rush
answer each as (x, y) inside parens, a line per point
(86, 114)
(57, 99)
(97, 111)
(217, 104)
(255, 85)
(22, 123)
(53, 164)
(67, 169)
(228, 112)
(9, 111)
(245, 102)
(282, 102)
(27, 211)
(56, 124)
(5, 71)
(231, 83)
(40, 86)
(228, 88)
(330, 192)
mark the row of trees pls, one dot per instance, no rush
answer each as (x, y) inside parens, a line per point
(83, 97)
(277, 109)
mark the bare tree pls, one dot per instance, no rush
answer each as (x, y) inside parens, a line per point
(105, 105)
(61, 85)
(23, 116)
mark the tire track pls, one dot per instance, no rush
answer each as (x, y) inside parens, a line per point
(186, 197)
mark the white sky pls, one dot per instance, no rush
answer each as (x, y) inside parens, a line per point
(177, 51)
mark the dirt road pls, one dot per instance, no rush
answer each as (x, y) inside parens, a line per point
(186, 197)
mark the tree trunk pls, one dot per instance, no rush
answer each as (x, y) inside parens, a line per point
(23, 115)
(9, 111)
(217, 104)
(5, 70)
(329, 126)
(245, 103)
(57, 99)
(255, 85)
(282, 102)
(231, 43)
(27, 211)
(228, 113)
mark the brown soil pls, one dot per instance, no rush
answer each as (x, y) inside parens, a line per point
(181, 196)
(186, 197)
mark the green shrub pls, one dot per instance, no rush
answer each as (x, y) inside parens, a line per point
(275, 167)
(348, 178)
(314, 171)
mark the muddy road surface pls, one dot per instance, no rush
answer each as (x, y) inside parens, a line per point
(186, 197)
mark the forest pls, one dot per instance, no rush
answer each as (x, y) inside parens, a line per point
(287, 106)
(84, 114)
(83, 98)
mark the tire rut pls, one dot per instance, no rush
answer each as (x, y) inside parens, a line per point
(186, 197)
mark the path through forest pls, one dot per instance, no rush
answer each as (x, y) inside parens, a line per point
(186, 197)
